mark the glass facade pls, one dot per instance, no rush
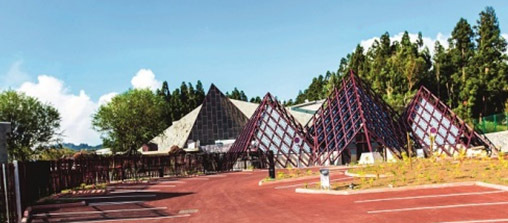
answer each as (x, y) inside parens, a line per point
(354, 117)
(218, 119)
(428, 117)
(271, 127)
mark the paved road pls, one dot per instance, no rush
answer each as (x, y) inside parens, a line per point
(236, 197)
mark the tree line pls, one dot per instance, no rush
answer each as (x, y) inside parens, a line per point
(470, 75)
(186, 98)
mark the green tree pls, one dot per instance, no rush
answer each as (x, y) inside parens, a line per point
(463, 81)
(34, 124)
(184, 99)
(200, 92)
(176, 105)
(237, 95)
(442, 82)
(130, 119)
(168, 109)
(490, 64)
(256, 99)
(54, 153)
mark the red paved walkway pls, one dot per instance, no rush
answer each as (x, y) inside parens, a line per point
(236, 197)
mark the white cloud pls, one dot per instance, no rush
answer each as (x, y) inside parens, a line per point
(104, 99)
(145, 78)
(14, 76)
(427, 41)
(75, 110)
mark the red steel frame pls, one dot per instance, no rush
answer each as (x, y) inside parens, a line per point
(426, 111)
(271, 127)
(354, 113)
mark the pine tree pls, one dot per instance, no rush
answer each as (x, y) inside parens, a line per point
(256, 99)
(490, 64)
(176, 105)
(462, 87)
(166, 95)
(200, 92)
(184, 99)
(243, 97)
(441, 82)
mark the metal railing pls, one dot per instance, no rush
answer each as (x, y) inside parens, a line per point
(492, 123)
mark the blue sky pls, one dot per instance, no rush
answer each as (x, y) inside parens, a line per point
(96, 47)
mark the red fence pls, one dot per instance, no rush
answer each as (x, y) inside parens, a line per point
(42, 178)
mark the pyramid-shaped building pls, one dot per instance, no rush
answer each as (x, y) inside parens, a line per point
(218, 118)
(352, 120)
(430, 119)
(273, 128)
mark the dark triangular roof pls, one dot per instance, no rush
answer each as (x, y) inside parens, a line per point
(354, 113)
(218, 118)
(271, 127)
(426, 111)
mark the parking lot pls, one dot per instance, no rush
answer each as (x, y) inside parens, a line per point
(237, 197)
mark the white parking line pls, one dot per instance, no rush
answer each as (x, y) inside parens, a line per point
(137, 219)
(172, 182)
(163, 186)
(132, 191)
(218, 175)
(139, 186)
(437, 207)
(98, 212)
(478, 221)
(303, 184)
(107, 197)
(113, 203)
(431, 196)
(197, 178)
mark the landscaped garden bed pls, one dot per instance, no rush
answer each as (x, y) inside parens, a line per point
(290, 173)
(434, 170)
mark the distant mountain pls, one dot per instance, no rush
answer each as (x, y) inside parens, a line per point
(82, 146)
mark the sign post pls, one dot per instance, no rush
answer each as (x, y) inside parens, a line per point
(271, 165)
(433, 132)
(325, 179)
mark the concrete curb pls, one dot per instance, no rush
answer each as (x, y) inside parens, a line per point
(381, 190)
(493, 186)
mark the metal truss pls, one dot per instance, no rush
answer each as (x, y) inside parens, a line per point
(354, 114)
(271, 127)
(426, 112)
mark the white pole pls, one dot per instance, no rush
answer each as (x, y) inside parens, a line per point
(18, 191)
(6, 193)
